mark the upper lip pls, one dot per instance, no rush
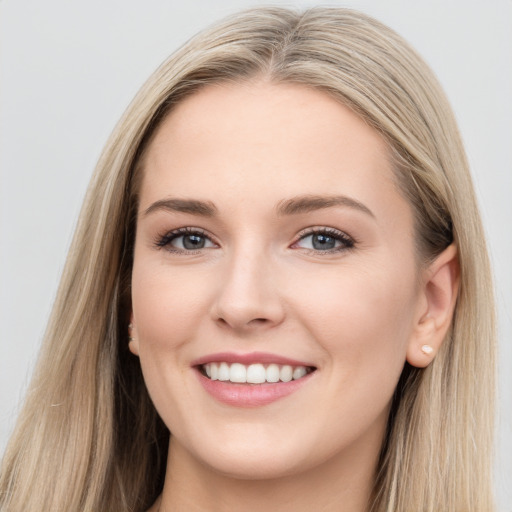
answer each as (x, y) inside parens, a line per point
(249, 358)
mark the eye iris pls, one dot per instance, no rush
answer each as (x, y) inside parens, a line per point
(323, 242)
(193, 242)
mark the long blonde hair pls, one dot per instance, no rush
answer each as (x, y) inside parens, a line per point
(88, 437)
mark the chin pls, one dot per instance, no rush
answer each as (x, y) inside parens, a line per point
(261, 467)
(258, 456)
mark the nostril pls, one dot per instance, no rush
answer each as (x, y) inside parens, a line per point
(257, 321)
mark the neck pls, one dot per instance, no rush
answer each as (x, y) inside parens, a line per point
(339, 484)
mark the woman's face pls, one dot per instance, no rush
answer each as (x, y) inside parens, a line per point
(271, 235)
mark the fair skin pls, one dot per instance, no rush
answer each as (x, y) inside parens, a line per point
(333, 283)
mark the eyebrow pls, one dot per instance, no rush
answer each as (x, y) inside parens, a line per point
(309, 203)
(192, 206)
(293, 206)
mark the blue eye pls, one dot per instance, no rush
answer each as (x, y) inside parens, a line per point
(325, 240)
(185, 240)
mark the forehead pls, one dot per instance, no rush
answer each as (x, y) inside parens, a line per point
(262, 116)
(267, 141)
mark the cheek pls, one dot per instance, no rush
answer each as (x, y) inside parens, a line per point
(363, 322)
(166, 305)
(363, 319)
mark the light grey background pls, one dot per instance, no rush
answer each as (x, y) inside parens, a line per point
(69, 69)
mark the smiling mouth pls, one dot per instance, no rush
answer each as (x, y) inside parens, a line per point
(238, 373)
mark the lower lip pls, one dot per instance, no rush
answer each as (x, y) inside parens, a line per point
(250, 395)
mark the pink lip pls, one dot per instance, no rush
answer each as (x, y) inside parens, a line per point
(246, 359)
(250, 395)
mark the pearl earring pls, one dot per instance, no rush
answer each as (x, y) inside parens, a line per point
(130, 338)
(427, 349)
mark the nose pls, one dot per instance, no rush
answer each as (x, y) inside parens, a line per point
(249, 297)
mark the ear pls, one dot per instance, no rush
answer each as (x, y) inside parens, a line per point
(439, 290)
(133, 339)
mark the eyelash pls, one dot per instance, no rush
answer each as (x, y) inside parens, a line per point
(164, 241)
(347, 242)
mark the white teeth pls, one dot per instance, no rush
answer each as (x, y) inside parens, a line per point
(223, 371)
(272, 373)
(237, 373)
(254, 373)
(299, 372)
(286, 373)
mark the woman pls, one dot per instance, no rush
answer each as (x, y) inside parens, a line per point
(280, 261)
